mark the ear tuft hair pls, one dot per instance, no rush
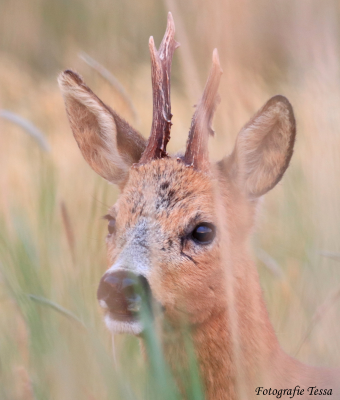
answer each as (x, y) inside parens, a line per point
(108, 143)
(264, 147)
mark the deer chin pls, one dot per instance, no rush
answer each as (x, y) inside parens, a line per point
(123, 324)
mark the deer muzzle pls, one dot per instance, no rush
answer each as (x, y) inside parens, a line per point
(124, 295)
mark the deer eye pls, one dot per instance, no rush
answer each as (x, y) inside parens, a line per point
(204, 233)
(111, 227)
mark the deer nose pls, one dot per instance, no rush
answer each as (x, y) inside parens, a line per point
(118, 292)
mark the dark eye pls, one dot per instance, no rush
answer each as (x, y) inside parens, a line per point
(111, 226)
(112, 223)
(204, 233)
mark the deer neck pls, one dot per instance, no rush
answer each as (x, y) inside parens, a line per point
(236, 341)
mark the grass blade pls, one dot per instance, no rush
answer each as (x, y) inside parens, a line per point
(112, 80)
(319, 314)
(331, 254)
(271, 264)
(56, 307)
(27, 126)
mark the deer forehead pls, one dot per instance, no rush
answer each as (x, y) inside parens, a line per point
(167, 194)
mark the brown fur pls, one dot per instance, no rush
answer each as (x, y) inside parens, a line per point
(213, 288)
(106, 141)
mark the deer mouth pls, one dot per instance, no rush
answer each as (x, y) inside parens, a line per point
(126, 299)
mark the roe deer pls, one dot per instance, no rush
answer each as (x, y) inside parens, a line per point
(181, 228)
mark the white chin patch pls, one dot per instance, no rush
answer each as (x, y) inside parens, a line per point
(133, 327)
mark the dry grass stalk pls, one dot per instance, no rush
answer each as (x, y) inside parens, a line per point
(331, 254)
(28, 127)
(68, 229)
(270, 263)
(112, 80)
(319, 314)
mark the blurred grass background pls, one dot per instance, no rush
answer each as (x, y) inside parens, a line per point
(53, 344)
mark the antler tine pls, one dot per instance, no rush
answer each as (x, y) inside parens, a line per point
(196, 154)
(160, 75)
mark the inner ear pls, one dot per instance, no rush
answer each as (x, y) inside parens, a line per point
(107, 142)
(263, 148)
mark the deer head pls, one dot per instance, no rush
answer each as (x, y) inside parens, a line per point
(165, 231)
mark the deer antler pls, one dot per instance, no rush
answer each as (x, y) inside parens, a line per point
(196, 154)
(160, 74)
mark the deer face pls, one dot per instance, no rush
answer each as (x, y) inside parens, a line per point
(165, 237)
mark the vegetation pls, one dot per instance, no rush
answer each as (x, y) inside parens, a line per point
(53, 343)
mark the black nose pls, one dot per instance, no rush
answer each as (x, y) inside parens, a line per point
(122, 292)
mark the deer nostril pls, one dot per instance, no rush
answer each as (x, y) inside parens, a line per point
(122, 293)
(127, 282)
(134, 303)
(113, 281)
(130, 286)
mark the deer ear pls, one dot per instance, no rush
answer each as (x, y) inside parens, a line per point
(263, 148)
(108, 143)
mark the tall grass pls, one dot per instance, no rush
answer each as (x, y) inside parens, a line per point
(53, 344)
